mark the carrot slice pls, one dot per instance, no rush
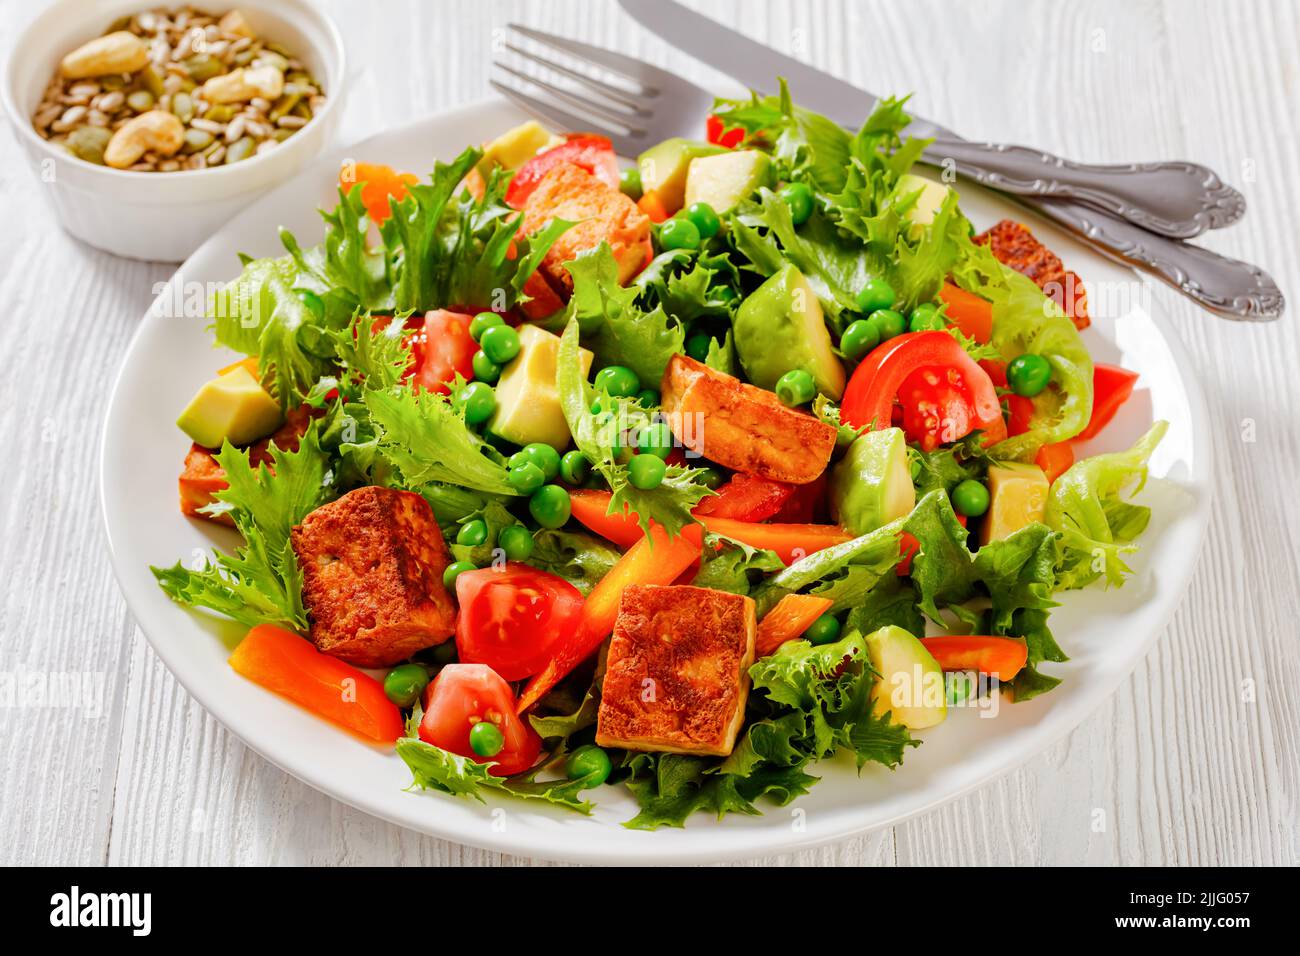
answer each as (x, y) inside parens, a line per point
(283, 662)
(653, 560)
(652, 206)
(970, 313)
(1000, 657)
(792, 615)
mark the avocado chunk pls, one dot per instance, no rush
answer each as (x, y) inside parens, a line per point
(779, 327)
(872, 484)
(663, 169)
(927, 206)
(515, 147)
(910, 688)
(1017, 497)
(528, 402)
(232, 406)
(724, 180)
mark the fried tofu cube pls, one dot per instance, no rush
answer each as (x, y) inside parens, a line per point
(677, 675)
(741, 426)
(1014, 245)
(372, 565)
(600, 214)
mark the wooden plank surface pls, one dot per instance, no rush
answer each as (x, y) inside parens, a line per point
(1196, 759)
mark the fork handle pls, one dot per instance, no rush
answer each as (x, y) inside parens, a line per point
(1235, 289)
(1176, 199)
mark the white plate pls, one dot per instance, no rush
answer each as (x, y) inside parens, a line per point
(1106, 632)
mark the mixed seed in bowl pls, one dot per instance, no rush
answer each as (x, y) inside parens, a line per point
(167, 90)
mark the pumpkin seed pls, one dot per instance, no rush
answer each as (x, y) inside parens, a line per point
(203, 66)
(239, 150)
(195, 140)
(141, 101)
(89, 143)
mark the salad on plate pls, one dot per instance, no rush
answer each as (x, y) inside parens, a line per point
(553, 474)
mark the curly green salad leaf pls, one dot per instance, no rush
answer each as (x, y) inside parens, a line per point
(1086, 507)
(261, 582)
(433, 768)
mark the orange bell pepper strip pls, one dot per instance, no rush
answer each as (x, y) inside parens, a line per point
(652, 206)
(283, 662)
(590, 508)
(653, 560)
(249, 363)
(1055, 459)
(792, 615)
(379, 185)
(1000, 657)
(970, 313)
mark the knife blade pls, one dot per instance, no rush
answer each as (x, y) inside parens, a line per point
(757, 66)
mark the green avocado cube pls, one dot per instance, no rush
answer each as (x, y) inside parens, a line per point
(727, 179)
(233, 407)
(780, 327)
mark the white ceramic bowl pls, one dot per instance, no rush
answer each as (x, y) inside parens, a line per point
(162, 216)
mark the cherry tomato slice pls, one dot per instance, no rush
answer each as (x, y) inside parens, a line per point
(944, 394)
(512, 618)
(593, 153)
(440, 348)
(461, 696)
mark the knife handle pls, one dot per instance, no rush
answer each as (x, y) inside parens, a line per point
(1177, 199)
(1235, 289)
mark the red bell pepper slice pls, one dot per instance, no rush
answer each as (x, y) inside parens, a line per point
(290, 665)
(746, 498)
(1111, 387)
(593, 153)
(716, 132)
(1000, 657)
(944, 394)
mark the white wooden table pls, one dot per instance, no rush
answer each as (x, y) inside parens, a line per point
(1196, 760)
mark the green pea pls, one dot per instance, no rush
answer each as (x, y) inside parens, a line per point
(925, 318)
(646, 472)
(550, 506)
(970, 498)
(888, 323)
(526, 477)
(500, 343)
(697, 346)
(485, 370)
(479, 402)
(876, 294)
(859, 339)
(574, 467)
(588, 761)
(404, 684)
(679, 234)
(472, 533)
(796, 387)
(711, 478)
(619, 381)
(705, 219)
(482, 322)
(486, 739)
(824, 630)
(648, 397)
(454, 570)
(656, 439)
(544, 457)
(629, 181)
(1028, 374)
(516, 541)
(800, 200)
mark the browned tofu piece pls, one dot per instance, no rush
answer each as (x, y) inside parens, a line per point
(600, 213)
(677, 675)
(1014, 245)
(372, 565)
(741, 426)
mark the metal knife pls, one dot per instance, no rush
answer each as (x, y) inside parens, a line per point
(1232, 288)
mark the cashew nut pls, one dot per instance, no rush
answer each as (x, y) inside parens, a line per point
(236, 23)
(156, 131)
(244, 84)
(119, 52)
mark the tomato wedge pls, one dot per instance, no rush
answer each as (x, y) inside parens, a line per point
(290, 665)
(944, 394)
(463, 695)
(1111, 387)
(593, 153)
(440, 349)
(746, 498)
(1000, 657)
(512, 618)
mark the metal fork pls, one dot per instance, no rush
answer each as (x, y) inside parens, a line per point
(637, 105)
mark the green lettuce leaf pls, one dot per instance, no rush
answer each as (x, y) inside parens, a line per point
(580, 558)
